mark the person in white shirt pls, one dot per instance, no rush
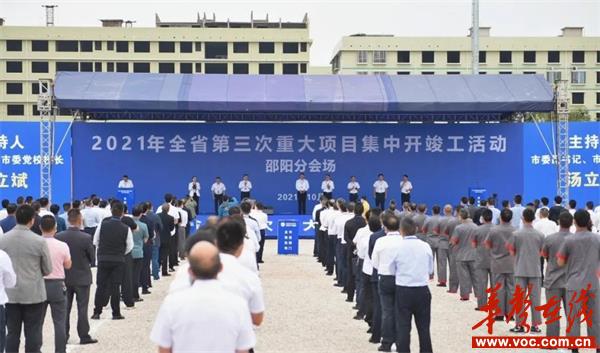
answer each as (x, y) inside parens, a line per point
(125, 183)
(302, 187)
(182, 229)
(170, 199)
(44, 205)
(495, 211)
(380, 189)
(327, 187)
(364, 266)
(252, 231)
(572, 207)
(544, 225)
(3, 211)
(8, 279)
(262, 218)
(595, 217)
(331, 235)
(353, 189)
(382, 258)
(245, 187)
(544, 205)
(207, 308)
(517, 211)
(218, 190)
(92, 215)
(194, 192)
(405, 189)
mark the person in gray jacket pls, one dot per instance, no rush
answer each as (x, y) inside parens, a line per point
(26, 301)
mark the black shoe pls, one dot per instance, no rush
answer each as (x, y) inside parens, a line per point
(329, 273)
(88, 341)
(171, 270)
(385, 347)
(137, 300)
(337, 285)
(370, 330)
(355, 307)
(146, 292)
(343, 290)
(374, 340)
(119, 317)
(517, 329)
(358, 317)
(261, 262)
(535, 329)
(335, 279)
(348, 300)
(96, 317)
(166, 275)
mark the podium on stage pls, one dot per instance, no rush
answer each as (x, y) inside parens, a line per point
(287, 237)
(127, 196)
(478, 194)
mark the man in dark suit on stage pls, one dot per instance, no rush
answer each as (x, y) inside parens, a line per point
(78, 278)
(168, 224)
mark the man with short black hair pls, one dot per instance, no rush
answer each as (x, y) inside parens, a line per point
(10, 221)
(31, 260)
(61, 224)
(431, 228)
(544, 205)
(580, 253)
(55, 282)
(413, 264)
(526, 245)
(555, 278)
(140, 236)
(78, 278)
(502, 262)
(556, 210)
(517, 211)
(350, 228)
(482, 260)
(113, 239)
(3, 211)
(462, 239)
(384, 253)
(380, 189)
(165, 234)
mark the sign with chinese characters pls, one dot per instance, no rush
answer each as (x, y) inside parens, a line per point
(20, 161)
(584, 161)
(442, 160)
(306, 229)
(287, 237)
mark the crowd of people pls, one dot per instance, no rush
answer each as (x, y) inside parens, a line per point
(383, 259)
(46, 260)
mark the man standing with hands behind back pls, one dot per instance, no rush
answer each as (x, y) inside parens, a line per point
(194, 192)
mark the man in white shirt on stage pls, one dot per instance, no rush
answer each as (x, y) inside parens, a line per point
(302, 187)
(327, 187)
(353, 189)
(194, 192)
(245, 186)
(405, 189)
(218, 190)
(126, 183)
(380, 188)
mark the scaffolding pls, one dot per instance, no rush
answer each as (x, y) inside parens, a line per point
(47, 119)
(562, 139)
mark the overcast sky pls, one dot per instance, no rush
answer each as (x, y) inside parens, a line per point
(331, 19)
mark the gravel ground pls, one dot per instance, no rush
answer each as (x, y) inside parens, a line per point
(305, 313)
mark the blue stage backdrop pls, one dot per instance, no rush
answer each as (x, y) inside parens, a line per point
(20, 161)
(540, 169)
(443, 161)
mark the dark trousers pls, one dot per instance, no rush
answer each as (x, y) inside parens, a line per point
(357, 274)
(218, 201)
(328, 195)
(350, 273)
(353, 197)
(301, 202)
(57, 300)
(404, 197)
(376, 325)
(322, 239)
(82, 294)
(145, 280)
(136, 274)
(108, 282)
(387, 295)
(127, 284)
(261, 243)
(331, 240)
(366, 302)
(31, 318)
(2, 328)
(197, 199)
(380, 200)
(413, 301)
(164, 259)
(173, 247)
(244, 195)
(316, 242)
(340, 262)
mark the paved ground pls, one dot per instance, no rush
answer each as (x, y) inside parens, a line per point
(305, 313)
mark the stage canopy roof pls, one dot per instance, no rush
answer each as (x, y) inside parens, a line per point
(299, 97)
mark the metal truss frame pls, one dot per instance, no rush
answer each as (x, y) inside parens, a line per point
(47, 113)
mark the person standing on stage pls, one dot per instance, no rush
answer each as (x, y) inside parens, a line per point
(218, 190)
(380, 188)
(302, 187)
(245, 187)
(353, 189)
(405, 189)
(194, 192)
(327, 187)
(125, 183)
